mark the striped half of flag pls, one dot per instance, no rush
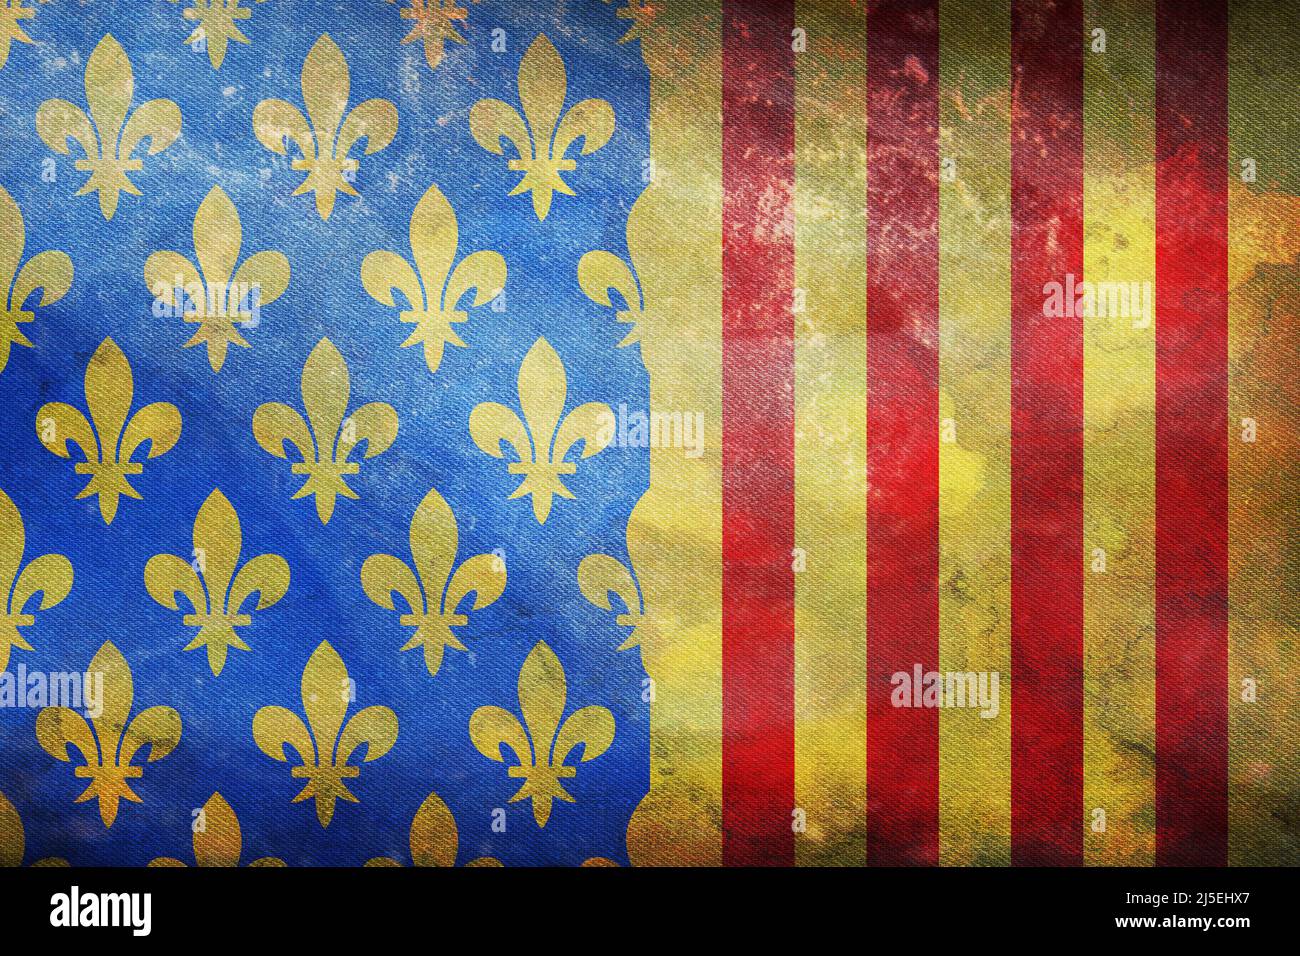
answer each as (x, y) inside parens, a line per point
(996, 560)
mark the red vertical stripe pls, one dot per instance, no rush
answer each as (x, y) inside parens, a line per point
(757, 433)
(1191, 432)
(902, 425)
(1047, 40)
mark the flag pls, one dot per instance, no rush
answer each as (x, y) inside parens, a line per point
(648, 432)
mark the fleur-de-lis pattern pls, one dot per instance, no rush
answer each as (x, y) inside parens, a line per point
(117, 433)
(217, 838)
(542, 742)
(602, 575)
(330, 130)
(433, 22)
(13, 839)
(435, 589)
(325, 743)
(216, 26)
(433, 289)
(543, 438)
(112, 132)
(328, 435)
(214, 583)
(49, 575)
(12, 13)
(50, 271)
(434, 838)
(216, 295)
(116, 738)
(214, 557)
(543, 136)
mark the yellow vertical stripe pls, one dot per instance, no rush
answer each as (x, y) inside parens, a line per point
(675, 535)
(975, 422)
(830, 426)
(1263, 474)
(1119, 433)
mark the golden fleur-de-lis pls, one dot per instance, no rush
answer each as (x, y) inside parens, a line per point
(107, 136)
(434, 838)
(334, 129)
(599, 576)
(542, 743)
(331, 437)
(13, 839)
(50, 271)
(545, 138)
(223, 294)
(117, 434)
(601, 272)
(217, 839)
(50, 575)
(330, 744)
(641, 13)
(216, 26)
(11, 11)
(116, 738)
(433, 22)
(548, 436)
(214, 583)
(434, 590)
(434, 295)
